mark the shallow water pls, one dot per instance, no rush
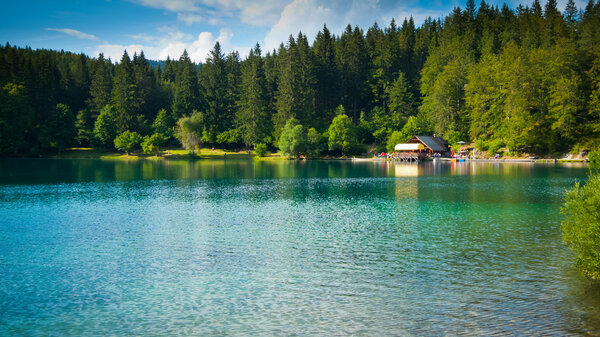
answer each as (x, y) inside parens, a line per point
(219, 247)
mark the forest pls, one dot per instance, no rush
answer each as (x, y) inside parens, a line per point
(525, 79)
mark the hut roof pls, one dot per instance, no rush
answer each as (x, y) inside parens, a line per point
(436, 144)
(409, 147)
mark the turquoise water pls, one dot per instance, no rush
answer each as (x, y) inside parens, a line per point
(90, 248)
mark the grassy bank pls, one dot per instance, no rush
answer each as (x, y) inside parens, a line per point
(204, 153)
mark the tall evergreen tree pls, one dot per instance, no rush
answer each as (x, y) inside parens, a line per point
(101, 85)
(215, 88)
(123, 95)
(187, 96)
(252, 114)
(327, 90)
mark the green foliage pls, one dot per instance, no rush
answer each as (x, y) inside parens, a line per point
(594, 159)
(164, 124)
(152, 144)
(16, 116)
(105, 128)
(340, 110)
(189, 130)
(260, 149)
(128, 141)
(527, 77)
(341, 134)
(252, 111)
(186, 98)
(315, 143)
(396, 137)
(230, 137)
(85, 127)
(401, 99)
(481, 144)
(494, 146)
(415, 126)
(101, 85)
(293, 141)
(59, 129)
(123, 95)
(581, 226)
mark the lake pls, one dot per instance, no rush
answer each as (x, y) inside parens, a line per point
(231, 247)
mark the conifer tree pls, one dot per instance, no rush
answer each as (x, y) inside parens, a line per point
(252, 116)
(101, 85)
(123, 95)
(186, 98)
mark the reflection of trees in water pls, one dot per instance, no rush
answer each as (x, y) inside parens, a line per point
(581, 303)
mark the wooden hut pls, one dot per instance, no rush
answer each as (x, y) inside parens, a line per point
(421, 147)
(433, 145)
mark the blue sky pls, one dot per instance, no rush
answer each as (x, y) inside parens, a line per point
(165, 28)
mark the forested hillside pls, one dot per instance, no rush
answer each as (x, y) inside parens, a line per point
(526, 78)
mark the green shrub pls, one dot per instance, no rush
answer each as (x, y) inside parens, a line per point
(481, 145)
(397, 137)
(260, 150)
(128, 141)
(494, 146)
(594, 158)
(581, 227)
(152, 144)
(292, 141)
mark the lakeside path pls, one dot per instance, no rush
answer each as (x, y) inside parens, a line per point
(500, 160)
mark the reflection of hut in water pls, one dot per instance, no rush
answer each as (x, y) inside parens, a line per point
(406, 170)
(407, 188)
(421, 147)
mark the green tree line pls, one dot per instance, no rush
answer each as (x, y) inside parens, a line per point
(525, 78)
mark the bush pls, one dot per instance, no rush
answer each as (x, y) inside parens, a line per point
(494, 146)
(397, 137)
(260, 150)
(315, 143)
(342, 134)
(152, 144)
(292, 141)
(481, 145)
(105, 129)
(581, 227)
(128, 141)
(594, 158)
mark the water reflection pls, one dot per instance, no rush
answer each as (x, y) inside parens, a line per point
(217, 247)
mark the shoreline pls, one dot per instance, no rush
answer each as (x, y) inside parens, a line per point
(490, 160)
(208, 153)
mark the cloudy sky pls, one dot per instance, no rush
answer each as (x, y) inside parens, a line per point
(166, 27)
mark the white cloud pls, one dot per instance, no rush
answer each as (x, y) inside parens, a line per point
(309, 16)
(73, 32)
(115, 51)
(256, 13)
(172, 44)
(171, 5)
(190, 18)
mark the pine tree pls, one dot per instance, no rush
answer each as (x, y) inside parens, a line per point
(123, 95)
(214, 84)
(186, 98)
(59, 130)
(101, 85)
(252, 116)
(327, 92)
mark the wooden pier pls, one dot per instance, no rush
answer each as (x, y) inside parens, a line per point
(408, 157)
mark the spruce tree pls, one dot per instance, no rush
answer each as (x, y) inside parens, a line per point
(252, 116)
(123, 95)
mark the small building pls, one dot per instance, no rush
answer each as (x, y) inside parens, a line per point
(433, 145)
(420, 147)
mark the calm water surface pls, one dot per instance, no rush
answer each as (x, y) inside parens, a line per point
(90, 248)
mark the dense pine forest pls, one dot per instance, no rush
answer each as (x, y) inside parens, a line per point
(526, 79)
